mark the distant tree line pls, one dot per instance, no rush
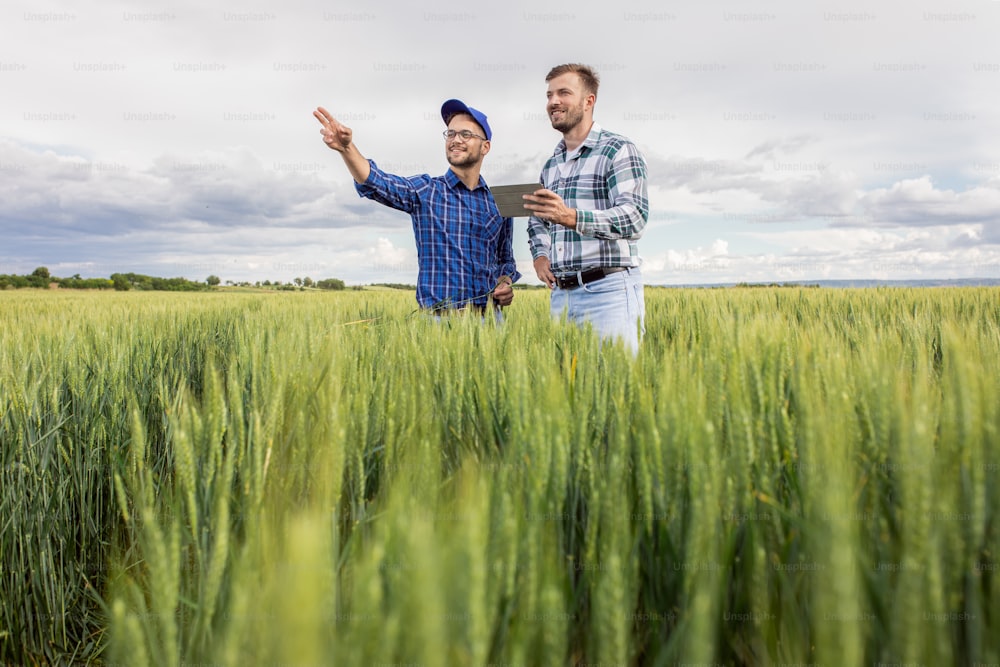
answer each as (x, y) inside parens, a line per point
(752, 285)
(306, 283)
(41, 278)
(136, 281)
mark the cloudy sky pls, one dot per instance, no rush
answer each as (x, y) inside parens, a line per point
(785, 140)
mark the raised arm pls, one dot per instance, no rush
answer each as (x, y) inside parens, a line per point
(340, 138)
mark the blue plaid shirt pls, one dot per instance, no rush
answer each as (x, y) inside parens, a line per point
(463, 244)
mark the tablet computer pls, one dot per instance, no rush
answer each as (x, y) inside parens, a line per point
(508, 198)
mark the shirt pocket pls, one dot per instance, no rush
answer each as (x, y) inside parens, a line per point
(489, 229)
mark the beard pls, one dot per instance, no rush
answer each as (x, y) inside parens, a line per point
(572, 116)
(465, 159)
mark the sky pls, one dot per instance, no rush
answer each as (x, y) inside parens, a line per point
(785, 141)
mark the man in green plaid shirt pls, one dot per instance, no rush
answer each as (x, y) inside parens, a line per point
(589, 214)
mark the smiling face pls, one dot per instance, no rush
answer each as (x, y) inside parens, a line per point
(465, 153)
(569, 103)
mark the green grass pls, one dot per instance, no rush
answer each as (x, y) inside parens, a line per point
(782, 476)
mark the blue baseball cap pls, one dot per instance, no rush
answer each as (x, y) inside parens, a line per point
(458, 106)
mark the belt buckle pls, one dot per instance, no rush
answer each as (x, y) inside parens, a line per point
(568, 281)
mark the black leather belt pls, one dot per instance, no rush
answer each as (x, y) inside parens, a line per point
(571, 280)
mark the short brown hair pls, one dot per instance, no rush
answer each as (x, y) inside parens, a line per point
(587, 75)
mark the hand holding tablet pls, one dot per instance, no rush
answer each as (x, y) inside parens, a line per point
(509, 198)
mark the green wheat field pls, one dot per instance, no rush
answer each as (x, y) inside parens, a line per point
(783, 476)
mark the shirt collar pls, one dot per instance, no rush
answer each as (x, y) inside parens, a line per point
(452, 179)
(592, 139)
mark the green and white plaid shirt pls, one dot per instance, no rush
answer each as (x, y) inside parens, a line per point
(605, 181)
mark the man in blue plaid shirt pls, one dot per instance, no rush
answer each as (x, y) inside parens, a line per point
(589, 215)
(465, 254)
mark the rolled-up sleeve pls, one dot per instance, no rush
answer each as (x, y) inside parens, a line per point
(539, 237)
(398, 192)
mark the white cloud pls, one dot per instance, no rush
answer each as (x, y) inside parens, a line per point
(672, 264)
(919, 202)
(384, 257)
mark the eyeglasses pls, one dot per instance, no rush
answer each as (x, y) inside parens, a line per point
(464, 135)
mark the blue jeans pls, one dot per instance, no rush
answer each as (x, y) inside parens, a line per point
(614, 306)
